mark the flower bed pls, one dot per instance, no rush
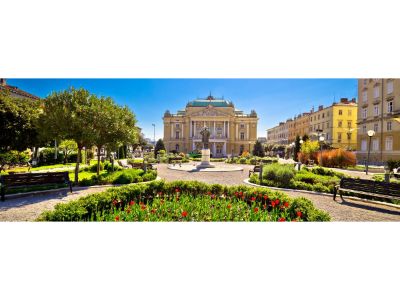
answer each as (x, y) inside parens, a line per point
(186, 201)
(253, 160)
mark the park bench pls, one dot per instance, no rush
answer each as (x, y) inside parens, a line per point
(256, 169)
(140, 165)
(378, 189)
(21, 180)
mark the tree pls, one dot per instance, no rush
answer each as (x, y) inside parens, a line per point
(114, 126)
(68, 114)
(297, 146)
(159, 146)
(67, 147)
(305, 138)
(18, 118)
(258, 149)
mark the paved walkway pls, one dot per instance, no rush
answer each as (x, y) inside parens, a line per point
(29, 208)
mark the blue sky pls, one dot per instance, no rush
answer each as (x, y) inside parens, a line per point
(273, 99)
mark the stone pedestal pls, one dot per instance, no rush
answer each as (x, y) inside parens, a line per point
(205, 160)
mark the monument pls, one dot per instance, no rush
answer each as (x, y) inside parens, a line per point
(205, 152)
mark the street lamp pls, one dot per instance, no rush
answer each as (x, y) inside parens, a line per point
(370, 133)
(321, 140)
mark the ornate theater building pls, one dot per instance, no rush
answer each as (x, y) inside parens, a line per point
(232, 131)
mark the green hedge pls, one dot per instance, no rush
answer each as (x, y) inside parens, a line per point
(117, 200)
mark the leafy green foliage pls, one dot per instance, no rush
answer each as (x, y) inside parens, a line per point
(258, 149)
(159, 146)
(186, 201)
(281, 174)
(18, 118)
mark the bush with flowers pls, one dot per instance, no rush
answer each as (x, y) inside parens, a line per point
(186, 201)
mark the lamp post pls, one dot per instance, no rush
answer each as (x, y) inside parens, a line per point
(370, 133)
(321, 140)
(292, 146)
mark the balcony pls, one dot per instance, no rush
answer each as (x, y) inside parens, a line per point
(376, 100)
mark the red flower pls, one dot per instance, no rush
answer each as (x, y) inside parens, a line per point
(236, 194)
(177, 190)
(153, 211)
(253, 198)
(209, 193)
(286, 204)
(131, 203)
(256, 209)
(282, 219)
(265, 206)
(240, 193)
(277, 201)
(212, 196)
(273, 203)
(229, 206)
(114, 202)
(117, 218)
(265, 197)
(184, 214)
(143, 207)
(299, 214)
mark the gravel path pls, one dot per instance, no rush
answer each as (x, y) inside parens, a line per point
(29, 208)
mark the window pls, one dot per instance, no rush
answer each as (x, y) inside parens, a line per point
(322, 126)
(376, 110)
(390, 106)
(349, 112)
(327, 124)
(327, 137)
(364, 113)
(390, 86)
(242, 135)
(376, 91)
(177, 135)
(363, 145)
(177, 148)
(177, 125)
(365, 81)
(340, 124)
(319, 117)
(389, 126)
(323, 115)
(340, 112)
(364, 129)
(339, 137)
(349, 135)
(348, 124)
(364, 96)
(376, 127)
(242, 126)
(375, 144)
(389, 143)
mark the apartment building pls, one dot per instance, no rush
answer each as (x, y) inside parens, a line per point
(379, 101)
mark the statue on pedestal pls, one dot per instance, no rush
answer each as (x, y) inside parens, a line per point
(205, 137)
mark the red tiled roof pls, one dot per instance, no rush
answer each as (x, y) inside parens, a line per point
(15, 90)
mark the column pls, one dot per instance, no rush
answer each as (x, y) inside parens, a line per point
(224, 132)
(224, 149)
(190, 129)
(194, 129)
(248, 127)
(214, 150)
(183, 132)
(172, 130)
(193, 146)
(214, 130)
(237, 131)
(228, 130)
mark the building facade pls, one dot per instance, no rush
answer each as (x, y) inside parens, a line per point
(232, 131)
(337, 123)
(379, 101)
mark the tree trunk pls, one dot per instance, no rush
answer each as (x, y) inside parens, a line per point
(78, 159)
(98, 161)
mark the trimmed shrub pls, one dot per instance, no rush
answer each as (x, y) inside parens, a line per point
(337, 158)
(281, 174)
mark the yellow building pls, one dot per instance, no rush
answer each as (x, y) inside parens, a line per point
(232, 131)
(336, 123)
(379, 101)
